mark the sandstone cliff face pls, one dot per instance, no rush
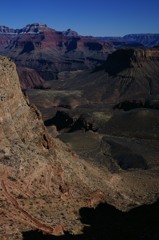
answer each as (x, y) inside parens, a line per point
(43, 183)
(30, 164)
(13, 104)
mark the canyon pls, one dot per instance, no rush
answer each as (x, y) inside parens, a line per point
(45, 184)
(79, 120)
(50, 52)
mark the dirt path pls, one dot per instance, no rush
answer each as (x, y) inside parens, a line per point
(19, 214)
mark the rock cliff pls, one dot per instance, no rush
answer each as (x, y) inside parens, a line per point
(29, 78)
(127, 74)
(37, 180)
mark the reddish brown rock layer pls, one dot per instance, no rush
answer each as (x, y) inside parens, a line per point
(29, 78)
(49, 51)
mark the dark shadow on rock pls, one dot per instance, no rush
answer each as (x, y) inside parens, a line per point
(125, 157)
(107, 223)
(84, 122)
(28, 47)
(61, 120)
(133, 104)
(94, 46)
(117, 61)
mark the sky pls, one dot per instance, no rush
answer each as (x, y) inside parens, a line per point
(87, 17)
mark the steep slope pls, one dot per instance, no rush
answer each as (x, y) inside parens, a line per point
(29, 78)
(134, 72)
(39, 188)
(43, 183)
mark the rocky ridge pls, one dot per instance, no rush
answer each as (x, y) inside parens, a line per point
(6, 30)
(49, 52)
(134, 40)
(136, 71)
(32, 170)
(148, 39)
(127, 75)
(29, 78)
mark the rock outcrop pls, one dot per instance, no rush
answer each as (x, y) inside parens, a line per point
(43, 183)
(136, 73)
(6, 30)
(127, 75)
(29, 78)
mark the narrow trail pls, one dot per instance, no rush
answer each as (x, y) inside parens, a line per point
(26, 217)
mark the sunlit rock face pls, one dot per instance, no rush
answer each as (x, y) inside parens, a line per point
(43, 183)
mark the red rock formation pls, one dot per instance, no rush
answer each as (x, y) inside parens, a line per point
(49, 51)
